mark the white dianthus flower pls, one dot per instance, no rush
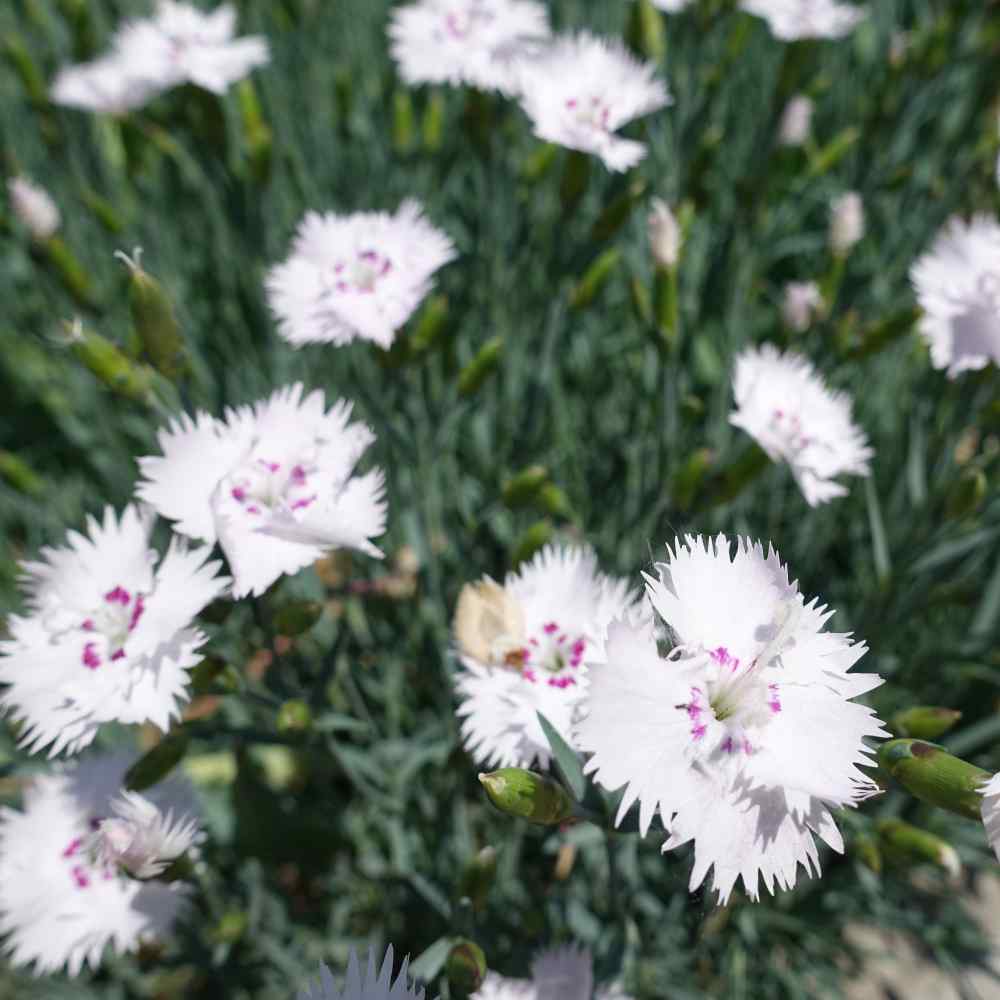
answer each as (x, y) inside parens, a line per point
(524, 649)
(182, 44)
(847, 222)
(61, 905)
(991, 812)
(784, 405)
(796, 121)
(373, 985)
(356, 276)
(179, 44)
(957, 283)
(273, 484)
(743, 737)
(473, 42)
(580, 90)
(109, 634)
(801, 302)
(140, 839)
(557, 974)
(34, 208)
(790, 20)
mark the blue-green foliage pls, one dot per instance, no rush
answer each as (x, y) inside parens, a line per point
(366, 838)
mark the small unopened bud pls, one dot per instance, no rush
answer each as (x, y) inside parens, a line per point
(522, 488)
(847, 223)
(479, 369)
(796, 121)
(966, 494)
(154, 320)
(535, 538)
(465, 967)
(801, 302)
(554, 501)
(297, 618)
(478, 877)
(34, 209)
(430, 324)
(294, 716)
(924, 722)
(664, 234)
(528, 796)
(935, 776)
(489, 622)
(594, 278)
(909, 844)
(109, 363)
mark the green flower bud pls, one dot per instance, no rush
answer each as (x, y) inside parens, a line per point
(925, 722)
(465, 967)
(69, 270)
(294, 716)
(868, 852)
(555, 501)
(539, 163)
(966, 494)
(617, 212)
(594, 278)
(154, 320)
(479, 369)
(157, 763)
(934, 776)
(522, 488)
(110, 365)
(535, 538)
(230, 928)
(528, 795)
(256, 132)
(478, 877)
(297, 618)
(646, 35)
(402, 121)
(432, 125)
(17, 474)
(430, 324)
(908, 844)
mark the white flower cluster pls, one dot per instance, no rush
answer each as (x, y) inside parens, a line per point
(179, 44)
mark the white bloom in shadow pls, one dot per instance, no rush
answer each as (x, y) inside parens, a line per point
(140, 839)
(991, 812)
(957, 283)
(109, 633)
(473, 42)
(788, 410)
(60, 904)
(356, 276)
(581, 89)
(372, 985)
(564, 973)
(524, 649)
(743, 737)
(790, 20)
(273, 484)
(179, 44)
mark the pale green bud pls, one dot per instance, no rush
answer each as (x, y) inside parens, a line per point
(934, 776)
(925, 722)
(528, 795)
(905, 843)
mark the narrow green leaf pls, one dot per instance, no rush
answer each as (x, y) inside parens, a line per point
(880, 547)
(430, 962)
(566, 759)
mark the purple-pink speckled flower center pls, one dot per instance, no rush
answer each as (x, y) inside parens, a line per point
(107, 629)
(551, 656)
(265, 485)
(361, 274)
(81, 867)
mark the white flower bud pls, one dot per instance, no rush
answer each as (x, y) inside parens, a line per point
(800, 304)
(33, 208)
(796, 121)
(847, 222)
(664, 234)
(139, 838)
(489, 622)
